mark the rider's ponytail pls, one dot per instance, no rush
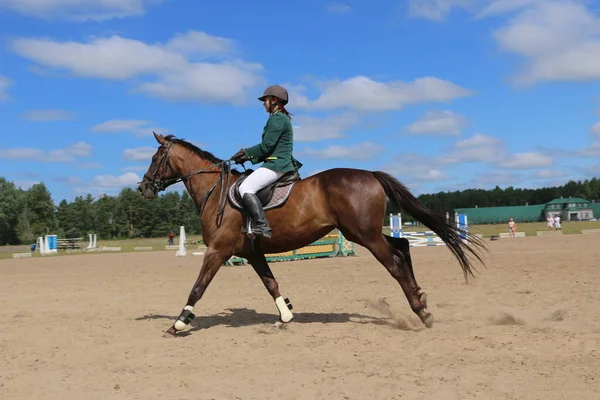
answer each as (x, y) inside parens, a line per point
(281, 107)
(283, 110)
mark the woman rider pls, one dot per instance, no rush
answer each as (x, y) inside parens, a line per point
(275, 151)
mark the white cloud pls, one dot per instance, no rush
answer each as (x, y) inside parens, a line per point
(595, 130)
(113, 181)
(593, 150)
(70, 180)
(47, 115)
(435, 10)
(549, 173)
(200, 44)
(4, 84)
(339, 8)
(478, 140)
(139, 128)
(80, 10)
(80, 149)
(486, 149)
(497, 178)
(593, 170)
(25, 184)
(68, 154)
(499, 7)
(139, 168)
(139, 154)
(560, 41)
(363, 93)
(438, 122)
(90, 165)
(314, 172)
(478, 148)
(158, 70)
(223, 82)
(438, 10)
(362, 151)
(311, 129)
(527, 160)
(297, 96)
(416, 168)
(431, 175)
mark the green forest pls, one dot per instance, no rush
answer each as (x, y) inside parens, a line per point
(27, 214)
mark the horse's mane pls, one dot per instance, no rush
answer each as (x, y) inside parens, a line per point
(194, 149)
(205, 155)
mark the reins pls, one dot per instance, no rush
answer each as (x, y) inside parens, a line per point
(224, 178)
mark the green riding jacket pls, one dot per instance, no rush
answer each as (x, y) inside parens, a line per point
(277, 145)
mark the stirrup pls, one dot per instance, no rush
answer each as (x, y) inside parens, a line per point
(252, 231)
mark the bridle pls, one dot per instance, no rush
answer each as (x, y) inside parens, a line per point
(159, 184)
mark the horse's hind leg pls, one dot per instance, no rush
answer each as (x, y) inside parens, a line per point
(213, 259)
(260, 265)
(398, 265)
(402, 246)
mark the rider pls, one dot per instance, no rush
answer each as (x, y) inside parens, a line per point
(275, 150)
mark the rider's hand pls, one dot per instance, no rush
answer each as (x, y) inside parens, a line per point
(240, 157)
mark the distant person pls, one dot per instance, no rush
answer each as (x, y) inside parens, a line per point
(550, 222)
(557, 222)
(171, 237)
(512, 228)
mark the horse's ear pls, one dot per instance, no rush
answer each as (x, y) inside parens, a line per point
(160, 138)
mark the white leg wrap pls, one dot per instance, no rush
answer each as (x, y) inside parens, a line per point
(284, 311)
(179, 325)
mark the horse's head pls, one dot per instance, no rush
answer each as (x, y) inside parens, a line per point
(161, 173)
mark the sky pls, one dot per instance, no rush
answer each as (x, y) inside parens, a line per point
(443, 94)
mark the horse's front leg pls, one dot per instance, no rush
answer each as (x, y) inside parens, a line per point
(260, 265)
(213, 260)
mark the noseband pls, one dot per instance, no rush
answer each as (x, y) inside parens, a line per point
(158, 183)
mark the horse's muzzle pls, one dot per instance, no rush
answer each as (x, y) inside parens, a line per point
(146, 188)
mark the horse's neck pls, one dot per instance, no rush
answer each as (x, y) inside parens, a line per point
(200, 184)
(201, 175)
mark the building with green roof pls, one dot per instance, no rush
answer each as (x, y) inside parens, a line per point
(596, 210)
(569, 209)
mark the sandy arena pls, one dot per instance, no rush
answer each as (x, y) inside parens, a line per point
(90, 327)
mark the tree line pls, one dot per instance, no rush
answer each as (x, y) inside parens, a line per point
(28, 214)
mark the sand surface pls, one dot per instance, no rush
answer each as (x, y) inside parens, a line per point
(90, 327)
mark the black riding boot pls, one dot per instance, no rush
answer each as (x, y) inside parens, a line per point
(261, 224)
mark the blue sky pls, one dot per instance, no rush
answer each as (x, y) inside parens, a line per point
(443, 94)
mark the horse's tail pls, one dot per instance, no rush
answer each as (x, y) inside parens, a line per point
(401, 197)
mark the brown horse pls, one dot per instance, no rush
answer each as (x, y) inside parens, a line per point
(351, 200)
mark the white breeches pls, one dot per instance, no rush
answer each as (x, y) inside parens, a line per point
(258, 180)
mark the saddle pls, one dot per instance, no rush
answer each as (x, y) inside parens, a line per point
(271, 196)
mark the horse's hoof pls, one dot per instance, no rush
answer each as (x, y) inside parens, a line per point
(423, 299)
(428, 320)
(280, 324)
(170, 333)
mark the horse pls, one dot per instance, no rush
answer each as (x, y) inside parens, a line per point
(354, 201)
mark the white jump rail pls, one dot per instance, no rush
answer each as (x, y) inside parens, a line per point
(548, 233)
(590, 231)
(506, 235)
(21, 255)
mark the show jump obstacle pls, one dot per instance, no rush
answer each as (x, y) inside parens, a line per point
(47, 244)
(426, 238)
(332, 245)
